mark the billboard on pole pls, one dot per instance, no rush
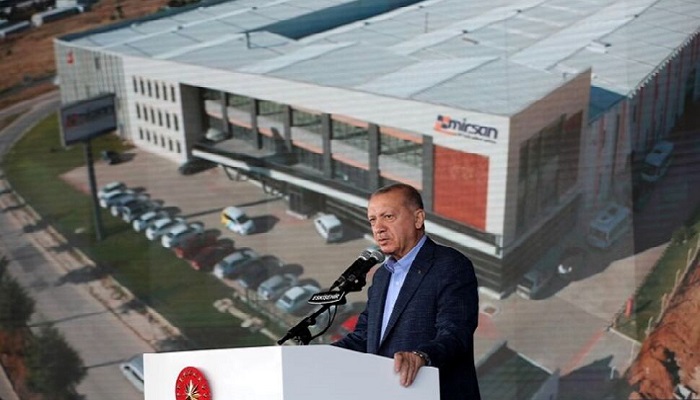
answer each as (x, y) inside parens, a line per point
(86, 119)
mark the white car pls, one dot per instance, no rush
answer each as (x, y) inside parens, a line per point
(161, 227)
(111, 198)
(180, 232)
(111, 187)
(118, 204)
(272, 288)
(329, 227)
(236, 220)
(296, 297)
(142, 222)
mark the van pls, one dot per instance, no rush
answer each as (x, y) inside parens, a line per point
(329, 227)
(608, 225)
(537, 278)
(657, 161)
(133, 371)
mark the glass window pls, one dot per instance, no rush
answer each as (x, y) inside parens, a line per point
(405, 151)
(238, 101)
(308, 121)
(353, 135)
(271, 109)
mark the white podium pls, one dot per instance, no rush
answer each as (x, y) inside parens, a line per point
(316, 372)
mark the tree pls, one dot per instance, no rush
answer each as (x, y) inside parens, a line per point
(16, 307)
(55, 368)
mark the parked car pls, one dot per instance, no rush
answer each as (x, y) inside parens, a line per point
(205, 259)
(234, 219)
(195, 165)
(144, 220)
(188, 248)
(111, 157)
(329, 227)
(259, 270)
(296, 298)
(181, 232)
(116, 204)
(130, 212)
(133, 371)
(111, 187)
(233, 264)
(275, 286)
(111, 198)
(161, 227)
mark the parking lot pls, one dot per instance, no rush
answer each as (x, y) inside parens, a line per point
(201, 198)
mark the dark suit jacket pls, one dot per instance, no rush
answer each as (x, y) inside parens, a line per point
(436, 312)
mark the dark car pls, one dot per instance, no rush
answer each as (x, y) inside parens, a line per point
(258, 271)
(205, 259)
(189, 247)
(111, 157)
(195, 165)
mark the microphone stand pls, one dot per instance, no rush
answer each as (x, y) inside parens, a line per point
(300, 332)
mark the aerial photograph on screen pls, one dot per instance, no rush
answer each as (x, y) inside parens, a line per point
(184, 175)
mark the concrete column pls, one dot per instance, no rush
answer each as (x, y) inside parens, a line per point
(326, 134)
(254, 110)
(287, 119)
(427, 172)
(373, 153)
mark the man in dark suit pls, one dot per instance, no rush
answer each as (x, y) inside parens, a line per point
(422, 307)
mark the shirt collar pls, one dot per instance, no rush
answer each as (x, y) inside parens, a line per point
(402, 265)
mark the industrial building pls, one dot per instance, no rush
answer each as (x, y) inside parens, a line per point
(511, 117)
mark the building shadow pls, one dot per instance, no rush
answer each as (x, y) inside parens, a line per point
(590, 382)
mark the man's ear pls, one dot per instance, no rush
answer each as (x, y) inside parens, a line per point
(419, 218)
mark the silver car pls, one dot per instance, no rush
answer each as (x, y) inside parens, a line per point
(161, 227)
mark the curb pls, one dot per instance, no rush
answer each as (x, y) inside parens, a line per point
(112, 295)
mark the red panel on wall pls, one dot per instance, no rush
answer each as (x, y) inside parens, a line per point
(461, 186)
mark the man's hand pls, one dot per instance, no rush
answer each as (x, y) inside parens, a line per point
(407, 364)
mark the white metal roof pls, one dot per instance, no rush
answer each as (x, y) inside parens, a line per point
(494, 57)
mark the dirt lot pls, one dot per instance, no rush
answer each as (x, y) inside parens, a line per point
(27, 59)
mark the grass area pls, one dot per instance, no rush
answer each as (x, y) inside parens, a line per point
(660, 282)
(161, 280)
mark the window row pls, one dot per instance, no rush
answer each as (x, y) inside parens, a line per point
(405, 151)
(157, 117)
(154, 89)
(160, 140)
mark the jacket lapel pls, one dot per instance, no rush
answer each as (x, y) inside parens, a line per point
(416, 273)
(374, 328)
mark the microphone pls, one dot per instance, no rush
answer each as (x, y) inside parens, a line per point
(358, 269)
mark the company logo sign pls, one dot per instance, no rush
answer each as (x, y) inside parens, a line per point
(455, 127)
(192, 385)
(86, 119)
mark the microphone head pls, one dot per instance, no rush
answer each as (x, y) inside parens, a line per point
(377, 255)
(366, 254)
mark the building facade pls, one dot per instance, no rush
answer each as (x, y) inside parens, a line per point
(506, 146)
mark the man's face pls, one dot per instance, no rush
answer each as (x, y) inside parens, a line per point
(396, 227)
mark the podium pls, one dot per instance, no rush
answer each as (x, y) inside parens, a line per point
(316, 372)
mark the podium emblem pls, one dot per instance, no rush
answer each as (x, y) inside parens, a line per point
(192, 385)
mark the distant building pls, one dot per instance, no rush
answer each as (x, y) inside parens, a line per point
(509, 117)
(55, 14)
(8, 30)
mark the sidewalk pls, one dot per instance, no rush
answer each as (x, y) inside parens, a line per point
(145, 322)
